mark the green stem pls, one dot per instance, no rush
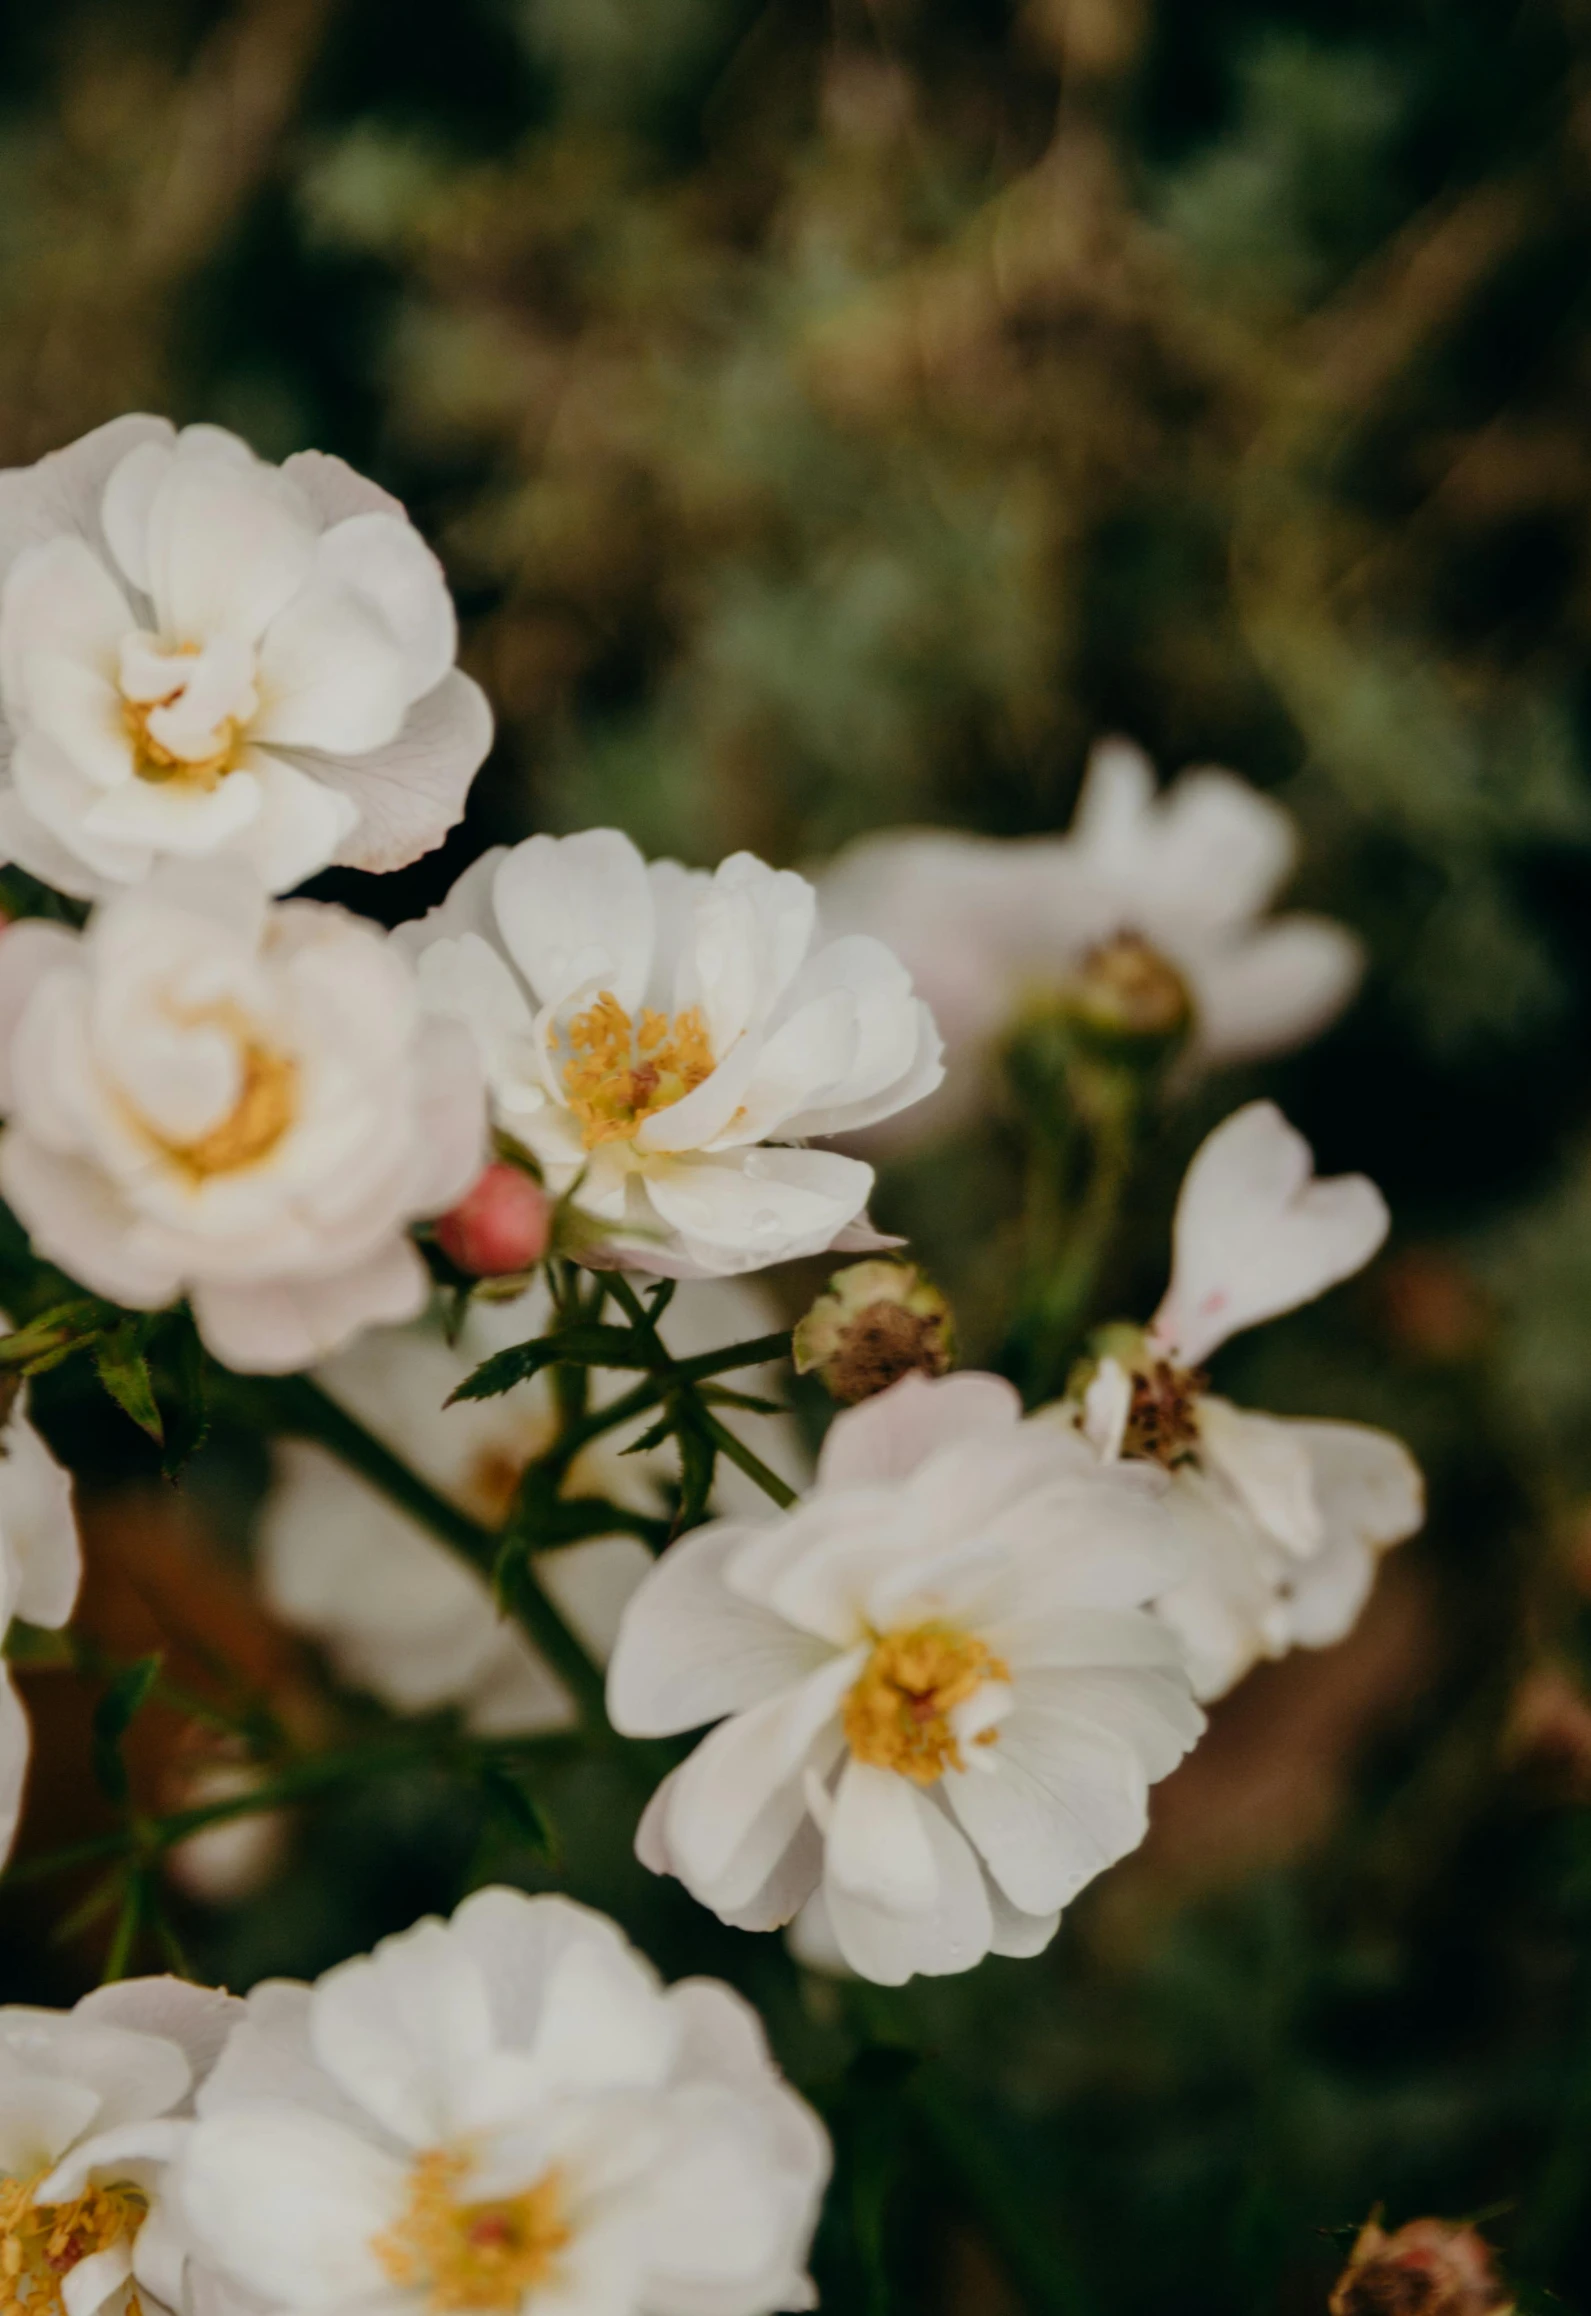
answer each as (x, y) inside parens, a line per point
(297, 1781)
(297, 1405)
(1025, 2247)
(753, 1466)
(1066, 1274)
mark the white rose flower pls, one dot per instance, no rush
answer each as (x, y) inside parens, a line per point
(661, 1039)
(404, 1617)
(940, 1696)
(503, 2113)
(202, 653)
(93, 2106)
(213, 1095)
(1284, 1519)
(986, 925)
(41, 1566)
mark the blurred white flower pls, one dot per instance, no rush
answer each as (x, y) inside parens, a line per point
(659, 1039)
(402, 1616)
(202, 653)
(939, 1693)
(41, 1566)
(986, 926)
(92, 2108)
(1285, 1519)
(233, 1858)
(503, 2113)
(211, 1094)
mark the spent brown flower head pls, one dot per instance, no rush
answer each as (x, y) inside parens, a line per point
(1429, 2267)
(876, 1322)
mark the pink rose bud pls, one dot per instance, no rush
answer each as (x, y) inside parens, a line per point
(502, 1225)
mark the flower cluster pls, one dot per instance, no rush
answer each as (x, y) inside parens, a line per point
(503, 2111)
(931, 1683)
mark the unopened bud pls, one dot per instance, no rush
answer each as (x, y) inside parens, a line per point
(1428, 2268)
(877, 1322)
(501, 1226)
(1125, 999)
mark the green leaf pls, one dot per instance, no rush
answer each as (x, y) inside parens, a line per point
(188, 1416)
(585, 1344)
(516, 1811)
(123, 1368)
(123, 1701)
(55, 1334)
(698, 1467)
(653, 1437)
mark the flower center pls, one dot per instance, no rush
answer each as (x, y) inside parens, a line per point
(1163, 1420)
(185, 706)
(1125, 986)
(898, 1715)
(153, 760)
(472, 2255)
(619, 1075)
(266, 1106)
(40, 2243)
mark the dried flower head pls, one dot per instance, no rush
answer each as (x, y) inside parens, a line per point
(876, 1322)
(1428, 2268)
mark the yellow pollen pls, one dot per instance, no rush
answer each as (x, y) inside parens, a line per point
(898, 1715)
(472, 2255)
(152, 760)
(256, 1122)
(40, 2243)
(619, 1075)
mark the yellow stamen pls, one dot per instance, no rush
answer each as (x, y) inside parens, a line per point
(619, 1075)
(266, 1104)
(483, 2256)
(898, 1715)
(40, 2243)
(153, 760)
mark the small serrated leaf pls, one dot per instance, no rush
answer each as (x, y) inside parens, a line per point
(123, 1368)
(503, 1371)
(698, 1463)
(124, 1699)
(652, 1437)
(517, 1811)
(55, 1334)
(188, 1422)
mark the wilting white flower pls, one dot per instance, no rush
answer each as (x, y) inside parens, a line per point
(1284, 1519)
(41, 1566)
(661, 1039)
(402, 1616)
(503, 2113)
(93, 2104)
(987, 926)
(211, 1094)
(939, 1694)
(202, 653)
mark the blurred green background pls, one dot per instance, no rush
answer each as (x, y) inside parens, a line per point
(839, 416)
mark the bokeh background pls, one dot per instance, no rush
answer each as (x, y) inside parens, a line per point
(839, 416)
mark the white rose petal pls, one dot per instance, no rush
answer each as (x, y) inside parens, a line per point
(521, 2053)
(205, 655)
(213, 1096)
(657, 1038)
(985, 925)
(939, 1698)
